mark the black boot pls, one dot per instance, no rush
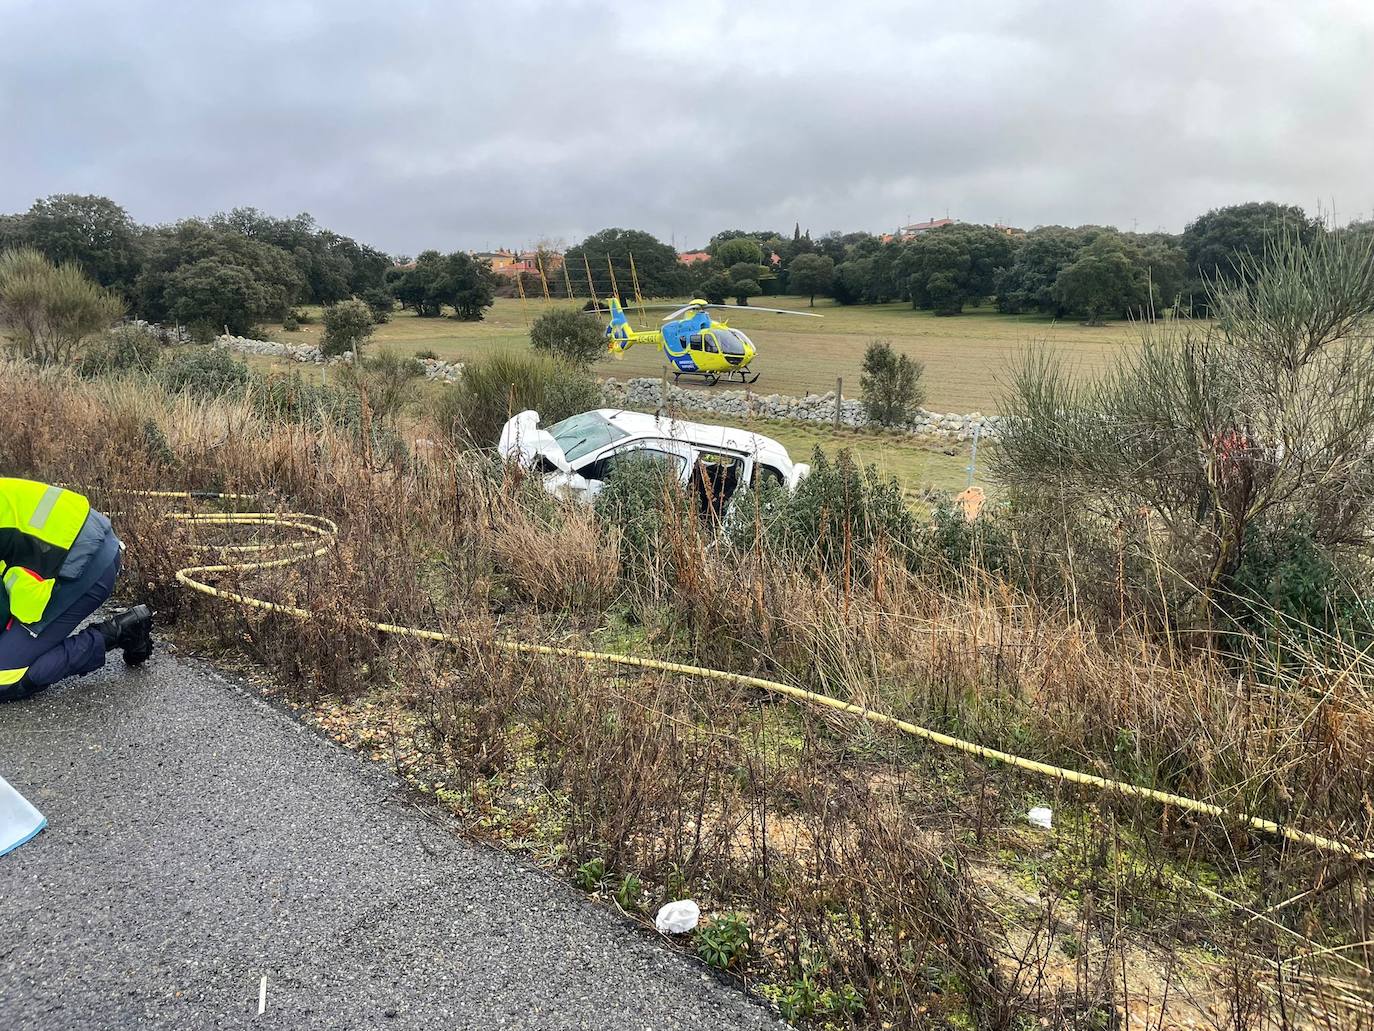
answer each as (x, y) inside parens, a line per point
(132, 631)
(18, 692)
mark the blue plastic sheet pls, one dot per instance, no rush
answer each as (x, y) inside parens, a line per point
(19, 820)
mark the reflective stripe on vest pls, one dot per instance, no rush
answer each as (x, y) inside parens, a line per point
(12, 676)
(46, 504)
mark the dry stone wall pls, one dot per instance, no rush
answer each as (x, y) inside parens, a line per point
(646, 392)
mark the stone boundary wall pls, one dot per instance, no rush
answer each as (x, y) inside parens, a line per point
(435, 368)
(645, 392)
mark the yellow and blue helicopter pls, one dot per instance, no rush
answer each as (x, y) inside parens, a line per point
(695, 343)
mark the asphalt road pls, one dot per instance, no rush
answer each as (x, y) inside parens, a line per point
(198, 839)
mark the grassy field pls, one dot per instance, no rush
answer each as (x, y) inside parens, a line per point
(965, 356)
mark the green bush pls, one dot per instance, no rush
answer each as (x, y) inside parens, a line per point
(202, 333)
(291, 398)
(959, 543)
(303, 316)
(641, 499)
(48, 311)
(724, 942)
(569, 334)
(429, 353)
(890, 385)
(122, 349)
(1285, 577)
(380, 302)
(387, 381)
(496, 387)
(346, 326)
(291, 324)
(206, 372)
(836, 516)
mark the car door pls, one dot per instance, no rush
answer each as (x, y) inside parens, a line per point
(675, 454)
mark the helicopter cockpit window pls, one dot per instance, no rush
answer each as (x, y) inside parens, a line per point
(709, 344)
(580, 435)
(694, 342)
(729, 341)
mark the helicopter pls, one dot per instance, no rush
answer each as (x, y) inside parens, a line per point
(694, 343)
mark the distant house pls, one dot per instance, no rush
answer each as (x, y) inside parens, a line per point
(513, 263)
(693, 257)
(920, 228)
(1007, 230)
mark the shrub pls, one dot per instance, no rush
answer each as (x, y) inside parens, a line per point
(122, 349)
(890, 384)
(385, 382)
(48, 310)
(743, 289)
(303, 316)
(1211, 437)
(641, 499)
(836, 517)
(570, 334)
(347, 325)
(202, 333)
(290, 324)
(291, 398)
(724, 942)
(205, 372)
(496, 387)
(380, 302)
(1284, 571)
(428, 353)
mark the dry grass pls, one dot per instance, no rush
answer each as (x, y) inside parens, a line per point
(854, 858)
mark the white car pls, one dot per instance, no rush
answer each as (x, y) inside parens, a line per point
(580, 453)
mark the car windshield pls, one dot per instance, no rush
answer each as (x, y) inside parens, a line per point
(730, 342)
(580, 435)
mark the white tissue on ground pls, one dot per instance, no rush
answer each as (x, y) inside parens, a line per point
(1041, 816)
(678, 917)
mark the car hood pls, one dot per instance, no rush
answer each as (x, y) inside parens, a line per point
(525, 443)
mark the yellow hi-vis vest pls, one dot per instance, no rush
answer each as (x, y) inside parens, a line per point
(38, 525)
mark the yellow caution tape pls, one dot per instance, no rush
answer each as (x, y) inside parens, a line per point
(327, 531)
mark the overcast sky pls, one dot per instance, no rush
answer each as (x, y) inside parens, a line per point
(412, 124)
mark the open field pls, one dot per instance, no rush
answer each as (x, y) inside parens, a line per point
(965, 356)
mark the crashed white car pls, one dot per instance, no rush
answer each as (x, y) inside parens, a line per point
(577, 456)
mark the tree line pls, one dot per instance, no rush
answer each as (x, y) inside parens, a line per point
(1093, 272)
(236, 270)
(239, 269)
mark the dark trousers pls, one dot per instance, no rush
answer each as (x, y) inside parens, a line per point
(56, 652)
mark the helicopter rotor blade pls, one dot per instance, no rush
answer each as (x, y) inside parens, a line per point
(679, 312)
(775, 311)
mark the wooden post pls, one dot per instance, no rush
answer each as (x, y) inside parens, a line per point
(839, 399)
(663, 394)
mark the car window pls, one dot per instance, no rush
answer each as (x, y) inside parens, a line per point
(605, 468)
(580, 435)
(766, 474)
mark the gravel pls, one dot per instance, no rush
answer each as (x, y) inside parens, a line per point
(199, 839)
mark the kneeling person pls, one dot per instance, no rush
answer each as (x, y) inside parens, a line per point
(58, 561)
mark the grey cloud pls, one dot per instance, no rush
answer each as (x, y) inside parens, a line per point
(448, 125)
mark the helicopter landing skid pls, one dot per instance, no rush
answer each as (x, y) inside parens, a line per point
(712, 378)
